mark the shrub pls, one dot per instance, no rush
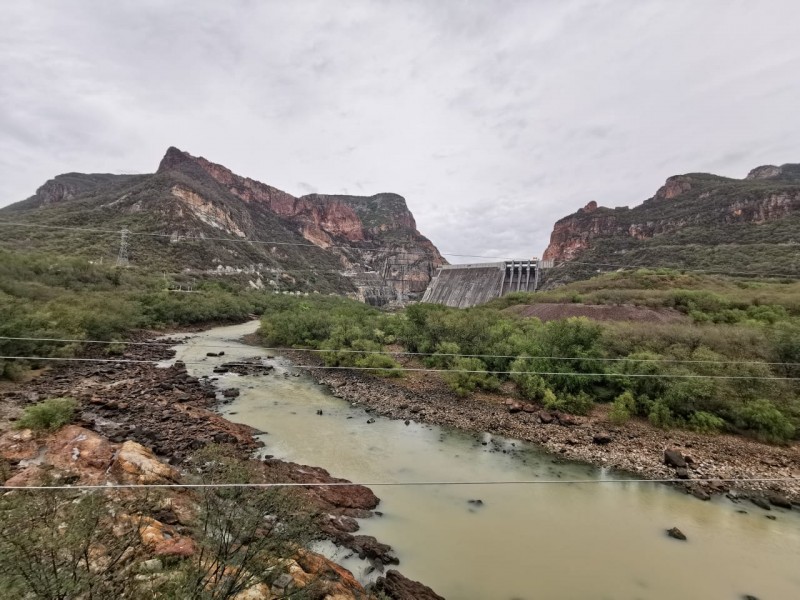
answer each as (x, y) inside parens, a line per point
(624, 408)
(578, 404)
(444, 356)
(386, 366)
(767, 422)
(48, 415)
(468, 375)
(704, 422)
(660, 415)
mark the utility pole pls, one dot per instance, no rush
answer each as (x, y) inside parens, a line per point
(122, 257)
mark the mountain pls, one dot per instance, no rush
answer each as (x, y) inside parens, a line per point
(196, 217)
(694, 221)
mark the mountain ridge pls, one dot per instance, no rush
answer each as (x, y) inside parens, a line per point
(366, 246)
(693, 221)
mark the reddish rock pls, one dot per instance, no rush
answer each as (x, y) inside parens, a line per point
(398, 587)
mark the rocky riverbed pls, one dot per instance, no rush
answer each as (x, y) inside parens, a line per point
(635, 448)
(162, 415)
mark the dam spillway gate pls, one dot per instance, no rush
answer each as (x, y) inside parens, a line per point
(462, 286)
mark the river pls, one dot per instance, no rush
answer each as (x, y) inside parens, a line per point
(578, 540)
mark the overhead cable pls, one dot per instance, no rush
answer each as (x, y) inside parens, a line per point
(294, 484)
(409, 369)
(406, 353)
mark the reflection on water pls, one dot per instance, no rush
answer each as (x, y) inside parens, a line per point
(573, 540)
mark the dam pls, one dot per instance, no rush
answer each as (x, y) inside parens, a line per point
(462, 286)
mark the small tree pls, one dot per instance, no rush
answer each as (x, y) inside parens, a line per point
(57, 545)
(244, 535)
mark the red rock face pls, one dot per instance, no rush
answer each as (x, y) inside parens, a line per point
(674, 187)
(319, 220)
(710, 206)
(572, 235)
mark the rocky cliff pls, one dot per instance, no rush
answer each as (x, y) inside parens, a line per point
(697, 221)
(195, 215)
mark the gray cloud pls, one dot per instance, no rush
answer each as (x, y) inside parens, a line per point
(494, 119)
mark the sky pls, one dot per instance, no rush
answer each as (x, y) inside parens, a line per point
(493, 119)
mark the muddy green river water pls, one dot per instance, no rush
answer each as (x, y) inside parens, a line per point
(588, 540)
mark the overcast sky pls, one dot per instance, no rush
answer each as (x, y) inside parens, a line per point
(492, 118)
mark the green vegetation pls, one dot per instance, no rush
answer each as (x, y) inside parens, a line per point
(693, 373)
(48, 415)
(67, 544)
(44, 296)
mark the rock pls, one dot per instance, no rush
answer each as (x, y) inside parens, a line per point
(673, 458)
(154, 565)
(700, 493)
(682, 473)
(779, 500)
(602, 438)
(676, 534)
(368, 547)
(18, 445)
(760, 502)
(514, 407)
(397, 587)
(282, 585)
(477, 502)
(136, 464)
(230, 393)
(370, 421)
(211, 354)
(771, 517)
(545, 417)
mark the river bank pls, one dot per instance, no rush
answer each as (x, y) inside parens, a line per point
(172, 414)
(635, 447)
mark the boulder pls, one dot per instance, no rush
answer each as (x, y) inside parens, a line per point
(515, 407)
(136, 464)
(602, 438)
(677, 534)
(545, 417)
(760, 502)
(779, 500)
(682, 473)
(397, 587)
(673, 458)
(18, 445)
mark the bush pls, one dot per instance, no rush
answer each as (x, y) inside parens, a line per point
(530, 385)
(577, 404)
(468, 375)
(704, 422)
(660, 415)
(384, 364)
(767, 422)
(624, 408)
(48, 415)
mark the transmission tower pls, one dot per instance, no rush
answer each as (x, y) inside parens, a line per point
(122, 257)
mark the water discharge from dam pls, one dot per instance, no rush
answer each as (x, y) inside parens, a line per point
(554, 541)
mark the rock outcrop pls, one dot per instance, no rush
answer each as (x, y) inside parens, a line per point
(368, 246)
(686, 215)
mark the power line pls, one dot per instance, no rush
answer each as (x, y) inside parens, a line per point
(227, 239)
(406, 353)
(350, 247)
(393, 483)
(410, 369)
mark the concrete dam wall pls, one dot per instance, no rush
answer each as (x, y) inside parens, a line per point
(462, 286)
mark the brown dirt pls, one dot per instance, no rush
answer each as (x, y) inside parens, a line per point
(597, 312)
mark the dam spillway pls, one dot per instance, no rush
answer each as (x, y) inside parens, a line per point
(462, 286)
